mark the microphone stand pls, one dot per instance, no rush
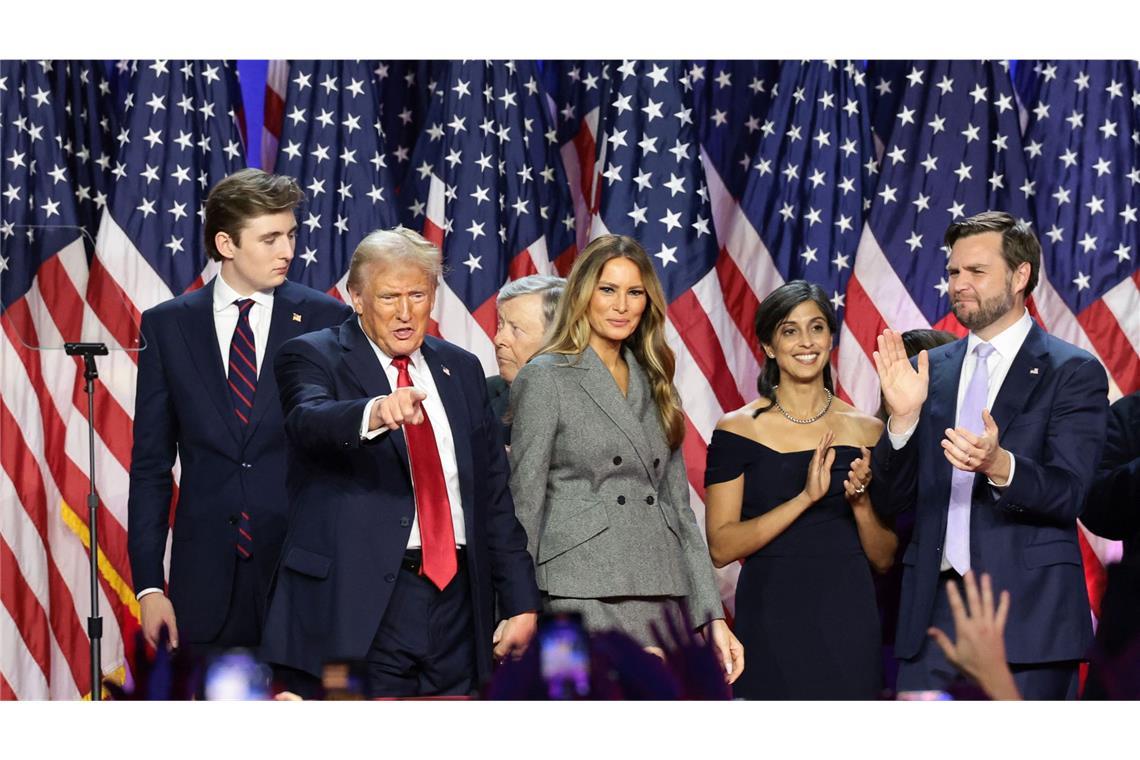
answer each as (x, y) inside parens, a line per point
(94, 623)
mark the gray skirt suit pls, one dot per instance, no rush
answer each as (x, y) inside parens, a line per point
(604, 501)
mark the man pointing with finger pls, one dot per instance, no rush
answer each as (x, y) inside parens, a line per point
(403, 526)
(994, 440)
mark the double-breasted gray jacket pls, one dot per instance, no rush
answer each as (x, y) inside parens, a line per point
(604, 501)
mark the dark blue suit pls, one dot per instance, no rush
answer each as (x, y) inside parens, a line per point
(352, 502)
(1051, 414)
(183, 407)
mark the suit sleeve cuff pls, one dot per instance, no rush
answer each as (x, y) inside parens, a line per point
(365, 433)
(898, 440)
(1012, 469)
(145, 591)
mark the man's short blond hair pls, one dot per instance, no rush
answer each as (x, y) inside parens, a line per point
(390, 246)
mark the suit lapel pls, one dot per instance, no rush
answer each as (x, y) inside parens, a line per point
(282, 327)
(370, 376)
(641, 400)
(603, 389)
(1028, 369)
(201, 336)
(454, 404)
(943, 396)
(944, 376)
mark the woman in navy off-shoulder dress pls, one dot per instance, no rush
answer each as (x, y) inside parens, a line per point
(787, 493)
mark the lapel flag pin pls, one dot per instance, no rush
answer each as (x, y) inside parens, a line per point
(1033, 371)
(446, 371)
(296, 317)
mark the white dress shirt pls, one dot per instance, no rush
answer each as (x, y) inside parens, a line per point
(226, 315)
(1006, 344)
(445, 443)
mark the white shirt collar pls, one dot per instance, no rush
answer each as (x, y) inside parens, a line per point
(1008, 342)
(416, 356)
(224, 295)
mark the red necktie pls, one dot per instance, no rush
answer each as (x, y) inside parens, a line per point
(433, 508)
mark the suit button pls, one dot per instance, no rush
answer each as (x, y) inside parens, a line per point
(246, 465)
(346, 444)
(621, 500)
(232, 519)
(649, 499)
(389, 578)
(405, 522)
(655, 463)
(617, 460)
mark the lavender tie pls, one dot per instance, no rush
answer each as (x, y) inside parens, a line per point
(962, 483)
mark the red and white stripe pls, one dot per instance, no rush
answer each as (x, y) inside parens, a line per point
(276, 84)
(876, 299)
(583, 176)
(44, 570)
(474, 330)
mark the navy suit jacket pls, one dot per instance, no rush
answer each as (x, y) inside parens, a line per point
(352, 502)
(183, 408)
(1051, 413)
(1113, 506)
(499, 394)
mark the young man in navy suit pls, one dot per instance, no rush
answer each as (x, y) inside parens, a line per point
(994, 441)
(206, 395)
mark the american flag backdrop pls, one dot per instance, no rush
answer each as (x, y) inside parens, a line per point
(736, 176)
(486, 184)
(1082, 144)
(332, 142)
(44, 571)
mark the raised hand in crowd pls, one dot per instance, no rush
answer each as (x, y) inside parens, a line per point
(695, 661)
(979, 650)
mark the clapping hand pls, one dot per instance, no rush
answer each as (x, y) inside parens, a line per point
(904, 388)
(819, 469)
(977, 453)
(858, 478)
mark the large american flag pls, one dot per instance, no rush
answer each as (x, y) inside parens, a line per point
(332, 142)
(177, 135)
(1082, 144)
(735, 175)
(44, 571)
(487, 185)
(401, 94)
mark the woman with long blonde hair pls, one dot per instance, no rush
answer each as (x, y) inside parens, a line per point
(598, 479)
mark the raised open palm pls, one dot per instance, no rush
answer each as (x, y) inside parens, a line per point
(904, 388)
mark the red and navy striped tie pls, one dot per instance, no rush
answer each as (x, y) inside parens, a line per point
(243, 363)
(243, 384)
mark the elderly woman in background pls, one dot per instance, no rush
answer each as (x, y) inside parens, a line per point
(598, 479)
(525, 310)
